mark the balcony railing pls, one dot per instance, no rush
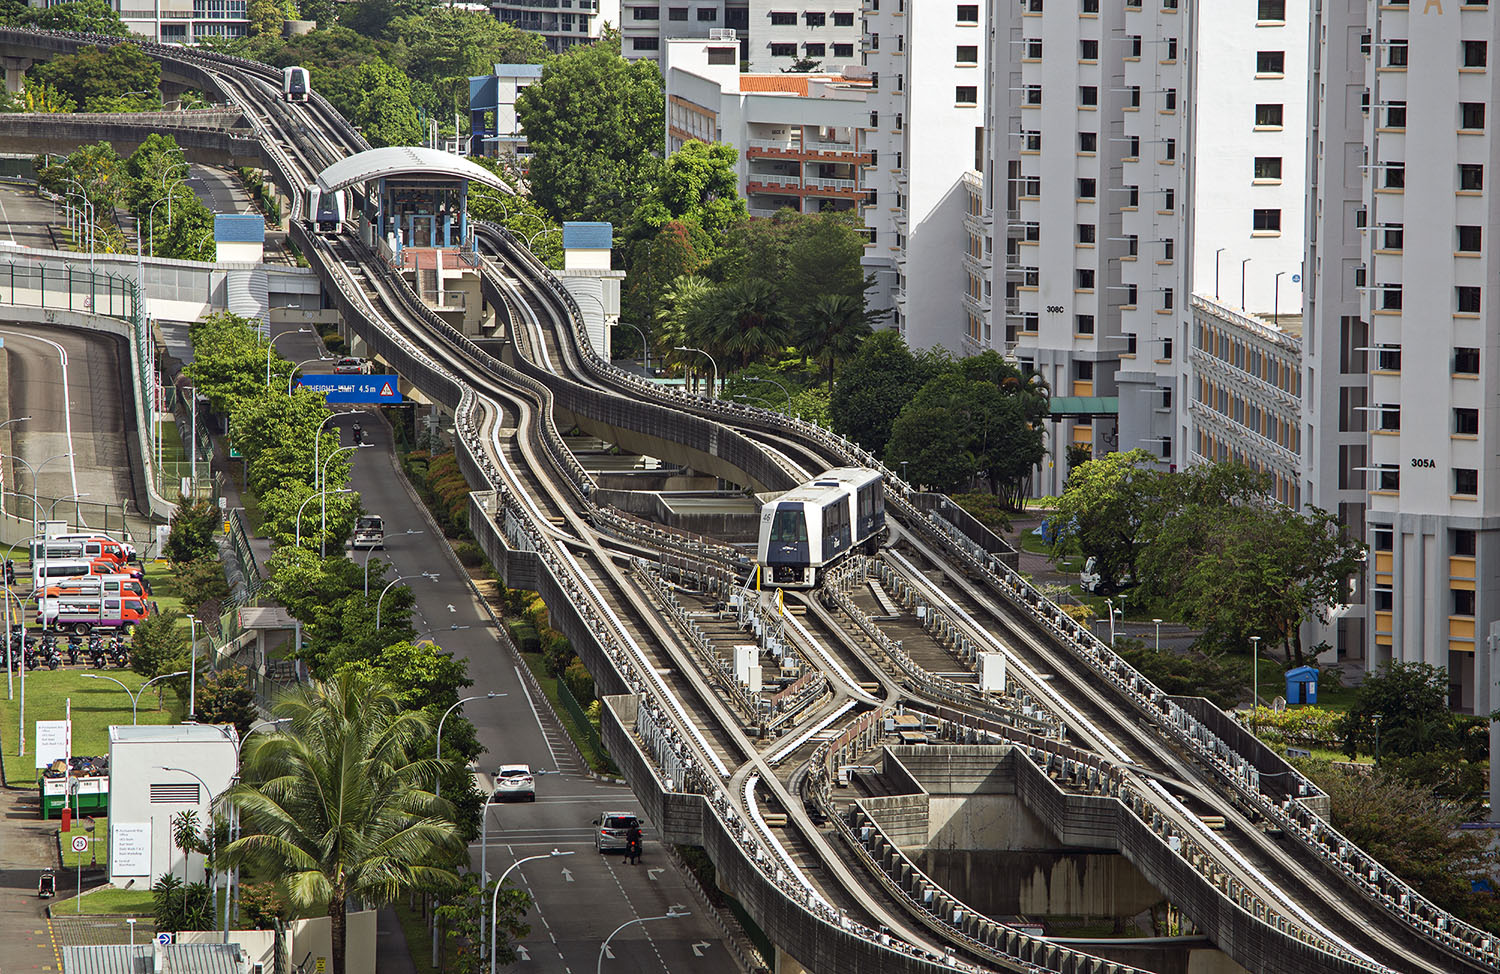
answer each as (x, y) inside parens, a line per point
(825, 182)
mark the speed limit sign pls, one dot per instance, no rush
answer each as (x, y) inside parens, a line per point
(80, 843)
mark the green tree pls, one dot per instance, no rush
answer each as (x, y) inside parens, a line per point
(159, 645)
(150, 169)
(459, 916)
(280, 507)
(229, 365)
(594, 123)
(279, 437)
(192, 234)
(931, 440)
(1264, 570)
(881, 378)
(226, 697)
(79, 16)
(266, 16)
(37, 96)
(746, 323)
(178, 906)
(95, 74)
(192, 533)
(327, 596)
(655, 263)
(698, 184)
(1107, 511)
(201, 581)
(337, 808)
(1405, 707)
(832, 328)
(376, 98)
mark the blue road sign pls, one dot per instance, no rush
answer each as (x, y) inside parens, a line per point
(355, 389)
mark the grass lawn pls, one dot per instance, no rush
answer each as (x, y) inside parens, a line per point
(164, 590)
(96, 705)
(597, 761)
(418, 938)
(1034, 544)
(120, 902)
(98, 852)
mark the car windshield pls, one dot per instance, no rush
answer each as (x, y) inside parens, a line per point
(619, 822)
(514, 773)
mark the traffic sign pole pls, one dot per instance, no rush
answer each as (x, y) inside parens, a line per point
(80, 846)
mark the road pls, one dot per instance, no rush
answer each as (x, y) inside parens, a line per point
(70, 384)
(219, 189)
(521, 728)
(26, 219)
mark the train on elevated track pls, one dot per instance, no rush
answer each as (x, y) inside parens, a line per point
(810, 528)
(295, 84)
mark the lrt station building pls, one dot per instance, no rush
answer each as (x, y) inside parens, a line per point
(411, 205)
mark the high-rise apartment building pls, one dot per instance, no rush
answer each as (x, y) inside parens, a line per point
(1427, 230)
(926, 135)
(562, 22)
(774, 35)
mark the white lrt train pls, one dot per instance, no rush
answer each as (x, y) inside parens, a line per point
(811, 527)
(324, 211)
(295, 84)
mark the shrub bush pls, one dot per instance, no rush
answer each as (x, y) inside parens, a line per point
(470, 555)
(524, 636)
(580, 682)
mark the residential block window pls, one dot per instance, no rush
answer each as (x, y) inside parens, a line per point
(1389, 478)
(1470, 176)
(647, 13)
(1087, 188)
(1171, 49)
(1169, 200)
(1135, 45)
(1466, 361)
(1466, 481)
(645, 43)
(783, 18)
(1085, 278)
(843, 50)
(1086, 233)
(1464, 541)
(1469, 239)
(1395, 237)
(1088, 141)
(1266, 221)
(1171, 152)
(1083, 324)
(1033, 95)
(1088, 49)
(819, 50)
(1135, 96)
(1390, 297)
(1395, 53)
(784, 50)
(1267, 167)
(677, 13)
(1467, 299)
(1463, 599)
(1476, 54)
(1268, 116)
(966, 94)
(1395, 114)
(1133, 197)
(1169, 99)
(1270, 62)
(1034, 48)
(843, 18)
(1270, 10)
(1088, 95)
(968, 13)
(815, 18)
(1395, 175)
(1466, 421)
(1388, 418)
(708, 13)
(1133, 147)
(967, 54)
(1090, 6)
(1471, 115)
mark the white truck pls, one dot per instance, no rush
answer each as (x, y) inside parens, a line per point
(369, 532)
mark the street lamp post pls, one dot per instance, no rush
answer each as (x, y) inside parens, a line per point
(481, 696)
(1110, 604)
(673, 913)
(645, 346)
(270, 345)
(18, 419)
(1216, 271)
(171, 170)
(135, 697)
(785, 391)
(1157, 623)
(1276, 299)
(298, 540)
(318, 441)
(1255, 666)
(323, 504)
(234, 819)
(52, 511)
(1242, 281)
(151, 227)
(712, 388)
(308, 361)
(428, 632)
(399, 578)
(540, 233)
(367, 563)
(192, 713)
(495, 899)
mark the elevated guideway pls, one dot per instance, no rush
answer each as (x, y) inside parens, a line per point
(685, 752)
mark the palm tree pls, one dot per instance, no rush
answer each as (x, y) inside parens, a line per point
(748, 322)
(335, 807)
(832, 329)
(186, 838)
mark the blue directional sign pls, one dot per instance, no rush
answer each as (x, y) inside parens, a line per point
(373, 390)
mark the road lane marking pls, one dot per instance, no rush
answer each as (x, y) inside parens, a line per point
(539, 725)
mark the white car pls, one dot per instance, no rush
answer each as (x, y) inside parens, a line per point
(515, 781)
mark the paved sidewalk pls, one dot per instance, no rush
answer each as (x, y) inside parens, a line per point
(391, 954)
(27, 845)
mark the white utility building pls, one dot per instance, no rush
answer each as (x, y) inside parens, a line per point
(144, 798)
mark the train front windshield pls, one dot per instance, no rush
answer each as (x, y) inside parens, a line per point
(789, 527)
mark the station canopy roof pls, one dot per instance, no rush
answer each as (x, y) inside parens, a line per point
(404, 160)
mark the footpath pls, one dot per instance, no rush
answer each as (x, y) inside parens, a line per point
(27, 846)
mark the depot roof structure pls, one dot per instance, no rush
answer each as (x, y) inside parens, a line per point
(404, 160)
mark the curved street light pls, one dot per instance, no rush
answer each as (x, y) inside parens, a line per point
(479, 696)
(495, 899)
(135, 697)
(293, 377)
(673, 913)
(272, 344)
(686, 348)
(209, 828)
(323, 516)
(784, 390)
(541, 233)
(432, 576)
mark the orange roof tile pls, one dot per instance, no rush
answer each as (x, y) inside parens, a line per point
(794, 84)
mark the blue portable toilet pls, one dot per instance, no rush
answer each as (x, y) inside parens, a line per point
(1302, 685)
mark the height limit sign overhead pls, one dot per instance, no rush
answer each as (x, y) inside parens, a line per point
(358, 390)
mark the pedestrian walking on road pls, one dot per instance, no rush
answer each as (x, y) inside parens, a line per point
(633, 845)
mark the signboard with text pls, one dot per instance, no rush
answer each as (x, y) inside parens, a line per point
(130, 848)
(368, 390)
(54, 739)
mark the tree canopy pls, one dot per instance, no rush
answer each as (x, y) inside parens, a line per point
(77, 16)
(98, 75)
(594, 123)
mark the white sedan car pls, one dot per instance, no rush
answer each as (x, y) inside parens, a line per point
(515, 781)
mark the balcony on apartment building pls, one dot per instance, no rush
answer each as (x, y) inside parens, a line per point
(826, 182)
(810, 145)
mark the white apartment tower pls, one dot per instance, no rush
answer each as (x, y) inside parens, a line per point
(772, 34)
(562, 23)
(1088, 160)
(1429, 251)
(926, 136)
